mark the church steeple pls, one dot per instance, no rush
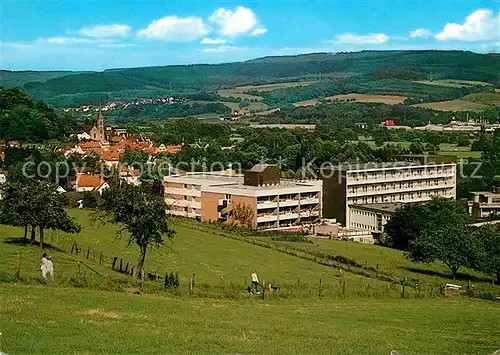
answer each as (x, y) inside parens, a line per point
(98, 132)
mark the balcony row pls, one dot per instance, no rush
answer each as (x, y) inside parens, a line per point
(401, 177)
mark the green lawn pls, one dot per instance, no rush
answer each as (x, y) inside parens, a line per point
(49, 320)
(212, 258)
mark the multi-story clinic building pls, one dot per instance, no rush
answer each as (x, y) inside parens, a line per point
(350, 185)
(276, 203)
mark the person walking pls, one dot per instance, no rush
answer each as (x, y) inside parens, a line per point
(47, 267)
(255, 281)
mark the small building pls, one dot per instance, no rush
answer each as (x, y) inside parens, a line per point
(485, 203)
(110, 158)
(372, 217)
(89, 183)
(3, 178)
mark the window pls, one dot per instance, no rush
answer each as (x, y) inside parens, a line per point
(228, 196)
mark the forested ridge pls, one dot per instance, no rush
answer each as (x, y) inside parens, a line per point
(375, 69)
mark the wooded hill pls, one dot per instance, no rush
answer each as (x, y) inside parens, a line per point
(61, 88)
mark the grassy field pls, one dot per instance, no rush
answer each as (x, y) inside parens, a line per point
(49, 320)
(305, 103)
(388, 261)
(484, 98)
(453, 83)
(453, 105)
(55, 318)
(240, 91)
(212, 258)
(385, 99)
(271, 87)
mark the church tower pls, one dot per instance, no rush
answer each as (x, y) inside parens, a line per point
(98, 132)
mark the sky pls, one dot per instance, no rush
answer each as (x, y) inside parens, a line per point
(103, 34)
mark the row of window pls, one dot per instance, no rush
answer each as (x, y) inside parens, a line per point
(400, 185)
(398, 197)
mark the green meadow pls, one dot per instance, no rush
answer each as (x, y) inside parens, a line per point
(318, 309)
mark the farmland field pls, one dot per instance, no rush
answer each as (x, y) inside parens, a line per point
(304, 103)
(240, 91)
(453, 105)
(385, 99)
(484, 98)
(91, 322)
(453, 83)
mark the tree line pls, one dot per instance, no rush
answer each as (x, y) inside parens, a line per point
(441, 230)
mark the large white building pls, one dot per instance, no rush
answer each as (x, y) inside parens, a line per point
(375, 183)
(274, 203)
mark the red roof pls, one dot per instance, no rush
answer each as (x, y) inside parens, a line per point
(89, 145)
(88, 181)
(173, 149)
(110, 156)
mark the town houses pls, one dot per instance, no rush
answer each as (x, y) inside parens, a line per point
(107, 146)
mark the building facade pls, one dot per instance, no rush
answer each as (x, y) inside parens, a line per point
(371, 217)
(98, 132)
(281, 204)
(374, 183)
(485, 203)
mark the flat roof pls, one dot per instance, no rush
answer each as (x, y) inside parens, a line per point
(204, 179)
(380, 207)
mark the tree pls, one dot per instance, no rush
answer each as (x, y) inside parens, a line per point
(142, 215)
(411, 220)
(39, 205)
(487, 257)
(447, 237)
(463, 141)
(242, 215)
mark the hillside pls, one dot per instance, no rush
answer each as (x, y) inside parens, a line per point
(216, 315)
(378, 66)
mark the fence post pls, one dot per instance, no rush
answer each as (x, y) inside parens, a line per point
(88, 252)
(100, 259)
(403, 292)
(73, 246)
(320, 291)
(121, 265)
(126, 268)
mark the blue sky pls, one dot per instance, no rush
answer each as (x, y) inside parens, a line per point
(101, 34)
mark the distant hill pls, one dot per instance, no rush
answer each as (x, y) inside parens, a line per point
(19, 78)
(63, 88)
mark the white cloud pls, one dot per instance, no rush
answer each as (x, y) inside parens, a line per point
(237, 22)
(103, 31)
(259, 31)
(175, 29)
(223, 49)
(420, 33)
(482, 24)
(67, 40)
(371, 38)
(207, 40)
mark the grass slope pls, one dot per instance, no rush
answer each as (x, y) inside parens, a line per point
(48, 320)
(212, 258)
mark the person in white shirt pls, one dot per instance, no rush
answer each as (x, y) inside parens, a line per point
(47, 267)
(255, 281)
